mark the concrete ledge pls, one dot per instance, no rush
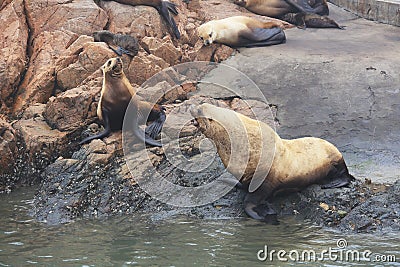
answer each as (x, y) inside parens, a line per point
(386, 11)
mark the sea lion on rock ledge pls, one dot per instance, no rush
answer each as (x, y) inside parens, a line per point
(163, 7)
(119, 43)
(116, 94)
(279, 164)
(241, 31)
(313, 13)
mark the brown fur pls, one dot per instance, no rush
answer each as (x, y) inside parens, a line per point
(260, 155)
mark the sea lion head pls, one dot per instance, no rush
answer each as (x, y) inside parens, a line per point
(113, 67)
(213, 121)
(103, 36)
(207, 33)
(240, 2)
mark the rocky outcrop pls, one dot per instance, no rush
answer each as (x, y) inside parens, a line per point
(13, 47)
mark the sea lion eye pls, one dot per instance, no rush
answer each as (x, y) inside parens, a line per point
(109, 63)
(201, 37)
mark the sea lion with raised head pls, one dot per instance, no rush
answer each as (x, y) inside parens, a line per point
(116, 94)
(287, 9)
(278, 164)
(119, 43)
(241, 31)
(163, 7)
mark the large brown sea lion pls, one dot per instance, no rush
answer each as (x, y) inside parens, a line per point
(287, 9)
(241, 31)
(163, 7)
(279, 164)
(116, 94)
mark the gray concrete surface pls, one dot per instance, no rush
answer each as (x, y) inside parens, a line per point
(385, 11)
(341, 85)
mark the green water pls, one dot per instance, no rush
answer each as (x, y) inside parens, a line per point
(180, 241)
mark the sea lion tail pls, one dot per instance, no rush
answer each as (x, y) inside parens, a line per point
(164, 10)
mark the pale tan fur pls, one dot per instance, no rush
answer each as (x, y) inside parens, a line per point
(297, 163)
(228, 30)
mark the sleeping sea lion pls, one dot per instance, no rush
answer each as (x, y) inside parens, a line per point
(304, 20)
(163, 7)
(281, 8)
(241, 31)
(119, 43)
(278, 164)
(116, 94)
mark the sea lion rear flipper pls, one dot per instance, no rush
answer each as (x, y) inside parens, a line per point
(155, 127)
(263, 37)
(164, 10)
(105, 133)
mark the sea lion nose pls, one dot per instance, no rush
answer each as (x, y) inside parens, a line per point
(118, 59)
(206, 42)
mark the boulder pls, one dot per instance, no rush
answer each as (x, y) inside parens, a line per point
(163, 48)
(81, 16)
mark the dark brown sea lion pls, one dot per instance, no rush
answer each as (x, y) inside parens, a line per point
(281, 8)
(163, 7)
(119, 43)
(276, 163)
(241, 31)
(303, 20)
(116, 94)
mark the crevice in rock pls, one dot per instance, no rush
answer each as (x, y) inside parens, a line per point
(373, 101)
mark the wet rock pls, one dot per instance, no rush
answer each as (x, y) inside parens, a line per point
(380, 212)
(8, 147)
(42, 143)
(13, 45)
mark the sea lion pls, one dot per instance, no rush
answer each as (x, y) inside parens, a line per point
(281, 8)
(163, 7)
(277, 163)
(304, 20)
(116, 94)
(119, 43)
(241, 31)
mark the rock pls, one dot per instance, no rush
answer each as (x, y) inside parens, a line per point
(93, 56)
(139, 21)
(75, 108)
(39, 80)
(144, 66)
(8, 147)
(81, 17)
(164, 49)
(14, 39)
(42, 143)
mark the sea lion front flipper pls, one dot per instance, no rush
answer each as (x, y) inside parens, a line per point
(338, 176)
(164, 10)
(256, 208)
(105, 133)
(263, 37)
